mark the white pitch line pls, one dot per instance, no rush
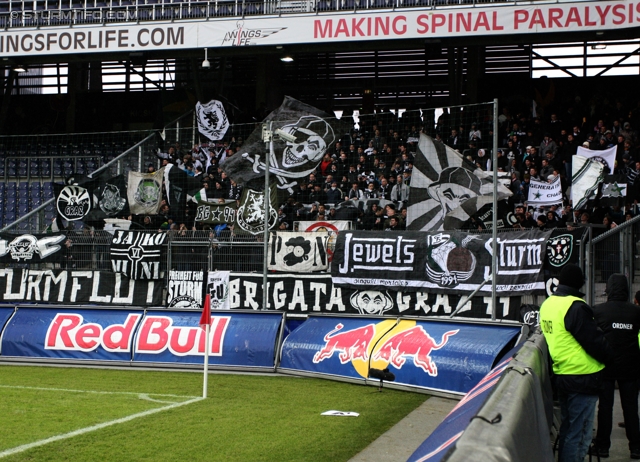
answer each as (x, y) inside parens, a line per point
(100, 426)
(92, 391)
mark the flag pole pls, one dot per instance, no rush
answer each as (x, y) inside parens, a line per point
(206, 361)
(205, 323)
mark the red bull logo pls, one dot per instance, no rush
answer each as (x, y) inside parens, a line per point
(414, 343)
(68, 331)
(352, 344)
(385, 343)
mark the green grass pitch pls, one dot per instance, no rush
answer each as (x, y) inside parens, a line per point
(245, 417)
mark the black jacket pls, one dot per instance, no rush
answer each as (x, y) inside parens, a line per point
(620, 321)
(580, 323)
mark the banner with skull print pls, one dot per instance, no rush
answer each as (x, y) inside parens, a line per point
(303, 134)
(31, 248)
(446, 189)
(109, 197)
(298, 252)
(212, 119)
(144, 192)
(447, 262)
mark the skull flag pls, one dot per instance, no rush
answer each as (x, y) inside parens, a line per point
(303, 134)
(446, 189)
(109, 198)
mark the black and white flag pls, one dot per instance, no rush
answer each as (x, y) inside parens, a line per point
(302, 136)
(614, 190)
(73, 202)
(298, 252)
(216, 213)
(31, 248)
(212, 119)
(136, 254)
(251, 212)
(587, 174)
(446, 189)
(178, 186)
(185, 289)
(144, 192)
(543, 193)
(109, 198)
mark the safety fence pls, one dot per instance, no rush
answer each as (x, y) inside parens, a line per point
(508, 415)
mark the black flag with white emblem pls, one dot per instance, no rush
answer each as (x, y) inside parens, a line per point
(136, 254)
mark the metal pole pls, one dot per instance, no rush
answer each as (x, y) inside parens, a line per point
(494, 224)
(267, 204)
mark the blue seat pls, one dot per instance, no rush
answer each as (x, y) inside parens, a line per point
(23, 186)
(9, 217)
(9, 207)
(23, 209)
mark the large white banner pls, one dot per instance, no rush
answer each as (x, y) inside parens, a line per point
(333, 27)
(606, 157)
(298, 252)
(545, 193)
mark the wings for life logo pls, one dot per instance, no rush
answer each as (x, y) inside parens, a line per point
(383, 344)
(449, 263)
(73, 203)
(244, 36)
(559, 249)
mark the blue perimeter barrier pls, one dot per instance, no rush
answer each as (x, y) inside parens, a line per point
(434, 356)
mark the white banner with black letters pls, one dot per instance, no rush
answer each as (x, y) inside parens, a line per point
(184, 289)
(136, 254)
(545, 193)
(445, 262)
(298, 252)
(76, 287)
(218, 289)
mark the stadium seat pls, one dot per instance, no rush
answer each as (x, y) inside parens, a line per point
(10, 207)
(9, 217)
(23, 209)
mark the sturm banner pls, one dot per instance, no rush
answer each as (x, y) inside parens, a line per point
(78, 287)
(447, 262)
(298, 252)
(218, 289)
(184, 289)
(307, 294)
(137, 254)
(31, 248)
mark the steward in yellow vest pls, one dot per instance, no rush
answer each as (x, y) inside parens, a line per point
(579, 352)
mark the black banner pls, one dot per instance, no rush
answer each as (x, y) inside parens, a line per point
(216, 213)
(109, 198)
(447, 262)
(31, 248)
(136, 254)
(308, 294)
(185, 289)
(79, 287)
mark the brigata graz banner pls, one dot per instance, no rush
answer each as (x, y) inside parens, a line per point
(420, 353)
(236, 339)
(76, 287)
(31, 248)
(301, 293)
(442, 262)
(71, 333)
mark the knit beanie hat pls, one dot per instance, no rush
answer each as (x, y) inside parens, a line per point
(572, 276)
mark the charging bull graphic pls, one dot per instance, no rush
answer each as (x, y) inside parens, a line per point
(352, 344)
(414, 343)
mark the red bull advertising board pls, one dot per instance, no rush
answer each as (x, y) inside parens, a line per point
(236, 339)
(444, 356)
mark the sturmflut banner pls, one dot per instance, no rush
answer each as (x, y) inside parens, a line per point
(446, 262)
(78, 287)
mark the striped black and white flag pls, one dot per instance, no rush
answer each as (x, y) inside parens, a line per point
(137, 254)
(446, 189)
(586, 176)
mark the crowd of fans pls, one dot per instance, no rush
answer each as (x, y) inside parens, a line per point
(365, 176)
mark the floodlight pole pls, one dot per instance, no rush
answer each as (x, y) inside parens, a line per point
(267, 137)
(494, 224)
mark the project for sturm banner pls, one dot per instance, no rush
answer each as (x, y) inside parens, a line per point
(298, 252)
(31, 248)
(76, 287)
(448, 262)
(136, 254)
